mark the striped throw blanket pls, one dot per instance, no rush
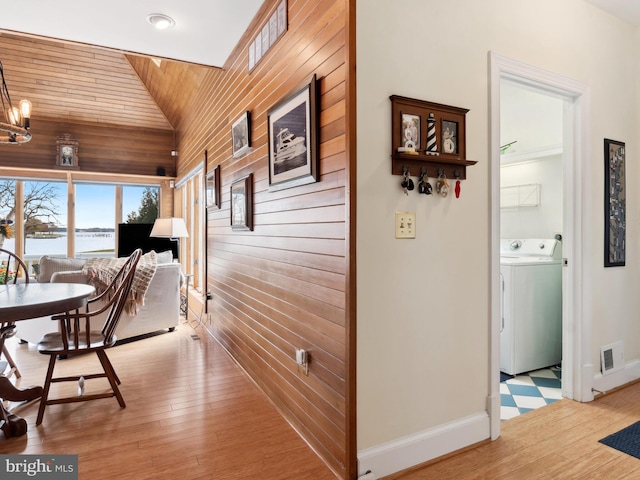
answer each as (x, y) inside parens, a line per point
(101, 272)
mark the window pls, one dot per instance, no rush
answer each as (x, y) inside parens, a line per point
(7, 214)
(45, 218)
(95, 220)
(190, 206)
(140, 204)
(44, 214)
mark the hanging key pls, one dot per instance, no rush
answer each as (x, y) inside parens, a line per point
(423, 184)
(442, 185)
(407, 183)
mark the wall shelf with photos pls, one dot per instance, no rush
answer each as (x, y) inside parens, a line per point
(429, 136)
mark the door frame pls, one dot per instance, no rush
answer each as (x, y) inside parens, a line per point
(577, 370)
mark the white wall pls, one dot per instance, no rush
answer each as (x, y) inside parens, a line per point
(543, 220)
(424, 304)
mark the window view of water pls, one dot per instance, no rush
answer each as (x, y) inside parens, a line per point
(45, 222)
(88, 244)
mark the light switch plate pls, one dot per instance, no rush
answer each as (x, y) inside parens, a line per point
(405, 224)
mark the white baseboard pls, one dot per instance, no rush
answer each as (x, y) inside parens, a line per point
(403, 453)
(630, 373)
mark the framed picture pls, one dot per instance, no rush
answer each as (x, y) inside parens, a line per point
(410, 131)
(213, 188)
(449, 137)
(66, 151)
(281, 13)
(274, 27)
(292, 135)
(614, 203)
(241, 134)
(242, 203)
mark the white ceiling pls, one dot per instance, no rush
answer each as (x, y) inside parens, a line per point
(206, 31)
(627, 10)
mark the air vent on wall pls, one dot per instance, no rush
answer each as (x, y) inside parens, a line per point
(611, 358)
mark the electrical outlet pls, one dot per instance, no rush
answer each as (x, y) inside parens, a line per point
(405, 224)
(302, 359)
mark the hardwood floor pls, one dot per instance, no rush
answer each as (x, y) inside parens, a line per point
(191, 414)
(556, 441)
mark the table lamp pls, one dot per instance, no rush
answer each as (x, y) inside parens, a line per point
(172, 227)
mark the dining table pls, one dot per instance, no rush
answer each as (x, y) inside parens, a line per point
(22, 301)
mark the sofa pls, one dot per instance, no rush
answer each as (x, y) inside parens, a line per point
(160, 311)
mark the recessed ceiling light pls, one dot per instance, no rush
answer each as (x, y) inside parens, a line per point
(160, 21)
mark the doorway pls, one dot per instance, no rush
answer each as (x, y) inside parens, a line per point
(574, 95)
(531, 229)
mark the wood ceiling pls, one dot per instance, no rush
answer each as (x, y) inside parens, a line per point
(91, 85)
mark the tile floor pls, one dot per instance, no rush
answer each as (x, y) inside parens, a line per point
(528, 391)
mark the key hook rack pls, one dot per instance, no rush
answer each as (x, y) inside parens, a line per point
(429, 136)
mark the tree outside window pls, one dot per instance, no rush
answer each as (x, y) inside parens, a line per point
(148, 209)
(41, 208)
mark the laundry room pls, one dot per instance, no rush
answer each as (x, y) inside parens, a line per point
(531, 135)
(531, 226)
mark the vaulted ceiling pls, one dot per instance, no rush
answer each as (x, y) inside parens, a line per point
(86, 84)
(81, 83)
(99, 63)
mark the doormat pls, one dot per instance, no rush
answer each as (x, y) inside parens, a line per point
(626, 440)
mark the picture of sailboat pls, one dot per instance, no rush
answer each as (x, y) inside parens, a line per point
(288, 146)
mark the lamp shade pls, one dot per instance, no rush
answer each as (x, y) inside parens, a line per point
(169, 228)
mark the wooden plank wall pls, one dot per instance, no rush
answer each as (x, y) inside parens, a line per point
(283, 285)
(102, 148)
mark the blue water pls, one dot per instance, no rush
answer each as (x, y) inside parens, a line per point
(86, 243)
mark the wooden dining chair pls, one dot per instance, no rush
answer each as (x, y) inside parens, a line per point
(75, 337)
(12, 268)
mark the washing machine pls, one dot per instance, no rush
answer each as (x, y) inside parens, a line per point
(531, 298)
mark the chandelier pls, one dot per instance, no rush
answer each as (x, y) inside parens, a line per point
(15, 128)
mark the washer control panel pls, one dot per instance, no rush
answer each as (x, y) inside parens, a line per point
(531, 247)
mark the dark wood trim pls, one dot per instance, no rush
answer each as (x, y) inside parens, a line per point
(350, 277)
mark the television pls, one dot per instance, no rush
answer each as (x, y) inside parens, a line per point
(136, 235)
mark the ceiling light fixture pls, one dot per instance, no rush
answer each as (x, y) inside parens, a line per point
(160, 21)
(15, 128)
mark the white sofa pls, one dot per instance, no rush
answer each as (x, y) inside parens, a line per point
(161, 309)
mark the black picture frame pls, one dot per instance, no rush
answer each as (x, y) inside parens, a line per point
(292, 138)
(213, 188)
(241, 134)
(614, 203)
(241, 197)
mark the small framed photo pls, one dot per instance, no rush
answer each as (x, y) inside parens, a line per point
(252, 56)
(258, 47)
(66, 151)
(241, 134)
(282, 17)
(265, 39)
(292, 136)
(213, 188)
(273, 28)
(410, 131)
(242, 203)
(449, 137)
